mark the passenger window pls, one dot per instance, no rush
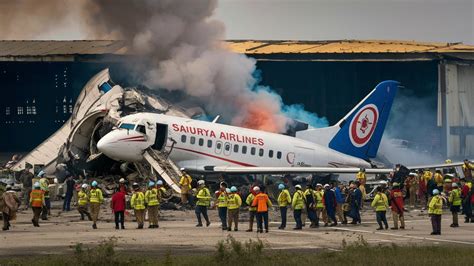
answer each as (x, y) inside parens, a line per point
(244, 149)
(193, 140)
(201, 142)
(279, 155)
(270, 153)
(227, 147)
(218, 147)
(236, 148)
(183, 138)
(141, 128)
(209, 143)
(260, 152)
(252, 150)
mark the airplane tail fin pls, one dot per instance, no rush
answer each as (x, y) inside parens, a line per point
(361, 130)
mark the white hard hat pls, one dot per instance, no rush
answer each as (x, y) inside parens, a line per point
(84, 186)
(412, 174)
(435, 192)
(182, 169)
(298, 186)
(122, 180)
(256, 188)
(319, 185)
(37, 184)
(159, 183)
(454, 185)
(326, 185)
(383, 182)
(201, 182)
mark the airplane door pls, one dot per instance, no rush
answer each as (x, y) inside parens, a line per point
(161, 136)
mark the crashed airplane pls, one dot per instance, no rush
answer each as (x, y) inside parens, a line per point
(97, 110)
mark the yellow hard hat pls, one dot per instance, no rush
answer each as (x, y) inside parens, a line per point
(448, 161)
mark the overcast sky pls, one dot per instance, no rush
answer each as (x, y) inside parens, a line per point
(421, 20)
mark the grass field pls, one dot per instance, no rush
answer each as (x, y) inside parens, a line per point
(232, 252)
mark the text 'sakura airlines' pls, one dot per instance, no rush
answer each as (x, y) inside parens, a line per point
(206, 146)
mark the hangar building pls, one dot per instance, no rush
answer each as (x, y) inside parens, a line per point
(41, 79)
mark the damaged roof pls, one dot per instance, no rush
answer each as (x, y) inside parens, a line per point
(280, 50)
(345, 46)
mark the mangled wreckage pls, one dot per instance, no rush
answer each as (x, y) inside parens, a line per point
(99, 106)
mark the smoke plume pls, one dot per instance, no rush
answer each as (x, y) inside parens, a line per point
(184, 45)
(408, 139)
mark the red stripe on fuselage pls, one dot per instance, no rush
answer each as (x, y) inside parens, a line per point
(130, 138)
(216, 157)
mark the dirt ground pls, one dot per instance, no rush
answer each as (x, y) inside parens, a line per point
(178, 235)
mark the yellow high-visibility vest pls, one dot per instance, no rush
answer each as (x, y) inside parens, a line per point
(138, 201)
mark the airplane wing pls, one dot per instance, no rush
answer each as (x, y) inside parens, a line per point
(314, 170)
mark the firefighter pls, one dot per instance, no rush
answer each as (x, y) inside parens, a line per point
(137, 202)
(82, 202)
(152, 201)
(95, 198)
(36, 202)
(185, 184)
(234, 201)
(396, 202)
(455, 202)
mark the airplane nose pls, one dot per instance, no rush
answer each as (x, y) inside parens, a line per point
(103, 145)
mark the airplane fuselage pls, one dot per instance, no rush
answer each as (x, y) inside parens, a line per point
(195, 144)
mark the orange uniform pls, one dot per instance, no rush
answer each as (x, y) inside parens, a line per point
(262, 202)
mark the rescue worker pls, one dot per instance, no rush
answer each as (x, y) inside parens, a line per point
(435, 209)
(137, 202)
(10, 202)
(355, 203)
(69, 185)
(320, 211)
(361, 180)
(161, 192)
(455, 203)
(262, 202)
(330, 204)
(36, 202)
(44, 183)
(95, 198)
(284, 199)
(234, 201)
(338, 191)
(467, 168)
(422, 189)
(82, 202)
(310, 204)
(26, 178)
(203, 201)
(117, 204)
(396, 202)
(380, 203)
(222, 204)
(298, 204)
(152, 201)
(252, 209)
(466, 203)
(411, 184)
(185, 185)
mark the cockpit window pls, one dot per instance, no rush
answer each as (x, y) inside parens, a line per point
(141, 128)
(127, 126)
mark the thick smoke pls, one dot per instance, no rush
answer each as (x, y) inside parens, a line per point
(45, 19)
(408, 139)
(183, 43)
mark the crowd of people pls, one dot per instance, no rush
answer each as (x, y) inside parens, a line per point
(332, 204)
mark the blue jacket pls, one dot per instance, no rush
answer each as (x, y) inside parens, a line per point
(339, 197)
(329, 199)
